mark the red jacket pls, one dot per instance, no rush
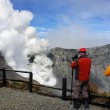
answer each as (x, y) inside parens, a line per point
(83, 66)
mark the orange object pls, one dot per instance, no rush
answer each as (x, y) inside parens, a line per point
(107, 71)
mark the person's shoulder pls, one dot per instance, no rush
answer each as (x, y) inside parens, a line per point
(88, 58)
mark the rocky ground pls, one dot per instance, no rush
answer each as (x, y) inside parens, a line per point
(11, 99)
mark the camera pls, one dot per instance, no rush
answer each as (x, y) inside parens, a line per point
(75, 57)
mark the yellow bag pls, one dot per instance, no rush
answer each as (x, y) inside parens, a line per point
(107, 71)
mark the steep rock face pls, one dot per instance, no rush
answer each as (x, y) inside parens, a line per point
(61, 66)
(9, 75)
(100, 60)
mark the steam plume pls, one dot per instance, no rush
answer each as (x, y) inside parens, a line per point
(19, 42)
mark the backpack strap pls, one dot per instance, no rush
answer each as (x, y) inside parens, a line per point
(76, 70)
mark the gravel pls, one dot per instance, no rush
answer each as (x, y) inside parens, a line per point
(11, 99)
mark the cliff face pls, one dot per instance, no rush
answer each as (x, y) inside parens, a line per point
(61, 66)
(9, 75)
(100, 60)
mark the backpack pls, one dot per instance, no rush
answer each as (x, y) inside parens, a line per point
(107, 71)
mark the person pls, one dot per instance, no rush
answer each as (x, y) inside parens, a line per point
(107, 71)
(82, 66)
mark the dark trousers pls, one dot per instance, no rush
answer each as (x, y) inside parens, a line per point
(80, 87)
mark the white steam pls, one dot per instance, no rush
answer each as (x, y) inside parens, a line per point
(19, 42)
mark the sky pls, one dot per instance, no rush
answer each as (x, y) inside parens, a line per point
(69, 23)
